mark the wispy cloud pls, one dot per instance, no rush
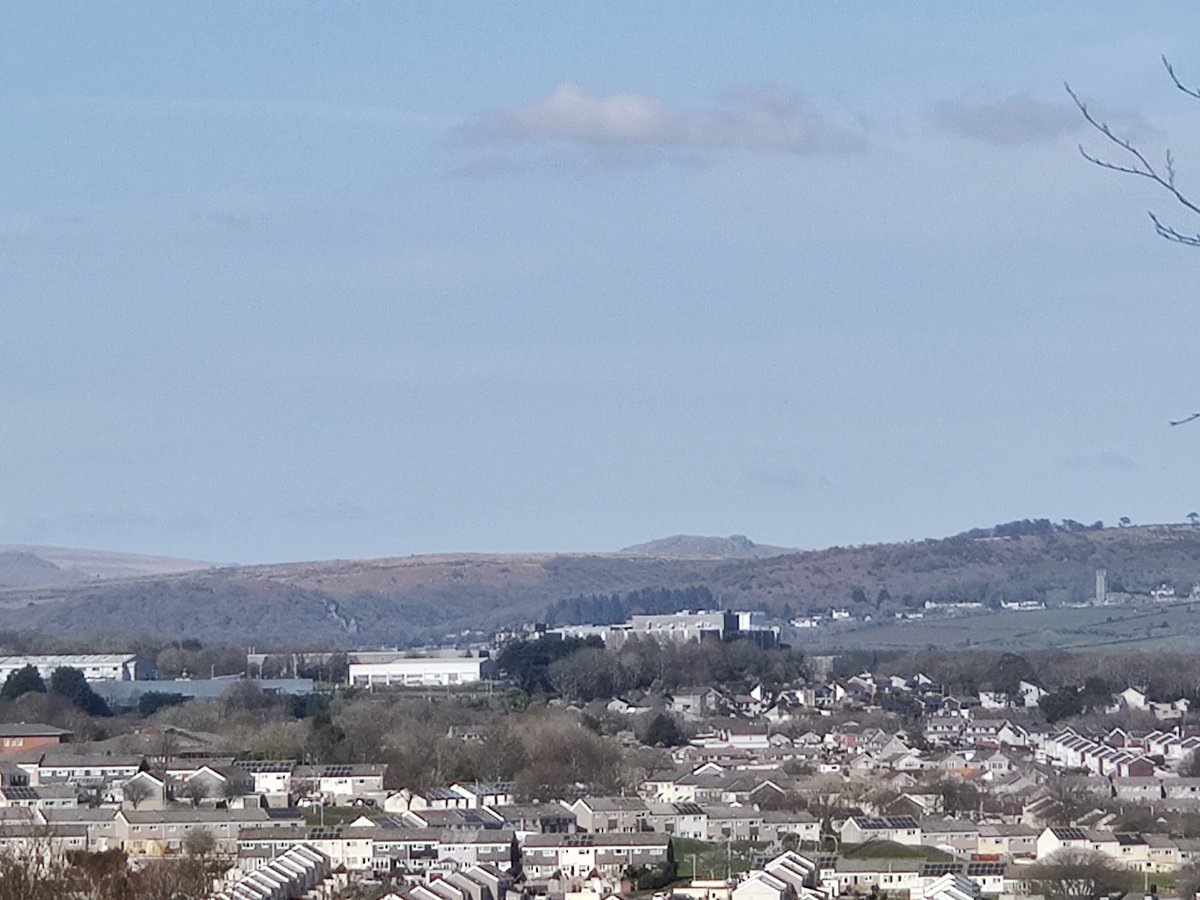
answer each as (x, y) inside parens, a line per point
(763, 119)
(1103, 459)
(780, 477)
(324, 113)
(1009, 121)
(336, 513)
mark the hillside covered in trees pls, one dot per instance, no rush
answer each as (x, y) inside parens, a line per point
(412, 600)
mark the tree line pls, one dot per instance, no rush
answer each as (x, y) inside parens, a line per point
(586, 670)
(612, 609)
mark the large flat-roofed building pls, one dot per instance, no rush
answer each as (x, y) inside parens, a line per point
(422, 671)
(719, 625)
(94, 666)
(681, 627)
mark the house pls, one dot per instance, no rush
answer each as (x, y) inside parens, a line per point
(1130, 698)
(778, 823)
(343, 784)
(271, 777)
(610, 815)
(685, 820)
(855, 876)
(84, 770)
(212, 784)
(162, 832)
(900, 829)
(19, 737)
(959, 836)
(480, 793)
(951, 886)
(296, 872)
(576, 856)
(790, 876)
(51, 796)
(735, 733)
(144, 790)
(731, 823)
(1053, 839)
(60, 839)
(99, 824)
(1007, 841)
(458, 821)
(536, 818)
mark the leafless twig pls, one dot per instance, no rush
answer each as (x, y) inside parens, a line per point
(1137, 163)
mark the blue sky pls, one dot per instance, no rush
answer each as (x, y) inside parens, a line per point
(296, 281)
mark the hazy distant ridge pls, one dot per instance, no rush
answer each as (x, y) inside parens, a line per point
(23, 566)
(691, 546)
(437, 598)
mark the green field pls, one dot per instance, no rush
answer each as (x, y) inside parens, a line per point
(1107, 629)
(713, 860)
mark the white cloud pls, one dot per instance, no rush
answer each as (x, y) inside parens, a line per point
(768, 119)
(1009, 121)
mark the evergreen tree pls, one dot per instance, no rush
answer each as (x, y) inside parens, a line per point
(22, 681)
(70, 683)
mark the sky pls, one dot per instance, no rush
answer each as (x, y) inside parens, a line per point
(304, 281)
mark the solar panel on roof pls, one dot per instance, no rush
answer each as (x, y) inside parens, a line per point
(937, 870)
(266, 765)
(20, 793)
(979, 869)
(1068, 834)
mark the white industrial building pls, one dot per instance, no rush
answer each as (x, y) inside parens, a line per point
(422, 671)
(680, 627)
(94, 666)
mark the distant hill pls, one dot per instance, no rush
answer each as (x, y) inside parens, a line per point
(21, 569)
(33, 566)
(417, 599)
(690, 546)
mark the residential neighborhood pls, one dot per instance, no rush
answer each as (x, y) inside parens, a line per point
(843, 785)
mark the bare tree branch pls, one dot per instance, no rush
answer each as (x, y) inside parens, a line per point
(1130, 160)
(1137, 163)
